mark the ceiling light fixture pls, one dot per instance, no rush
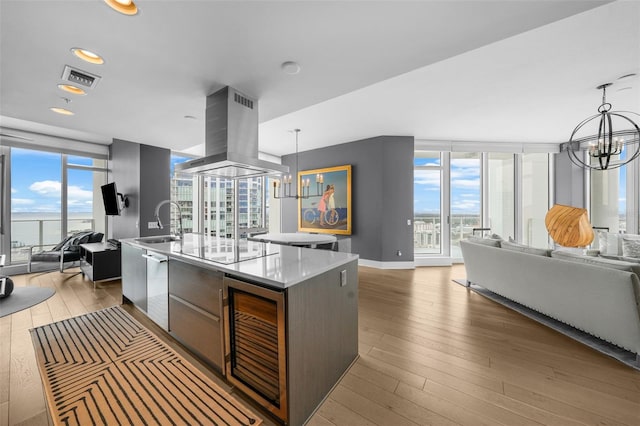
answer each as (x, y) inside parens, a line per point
(283, 190)
(604, 147)
(71, 89)
(126, 7)
(87, 56)
(290, 67)
(62, 111)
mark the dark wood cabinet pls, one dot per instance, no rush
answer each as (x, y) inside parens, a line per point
(195, 310)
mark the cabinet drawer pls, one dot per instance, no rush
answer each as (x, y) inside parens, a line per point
(198, 286)
(197, 330)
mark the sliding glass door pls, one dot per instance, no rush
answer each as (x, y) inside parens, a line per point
(466, 198)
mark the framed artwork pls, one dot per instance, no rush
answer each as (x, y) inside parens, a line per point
(328, 208)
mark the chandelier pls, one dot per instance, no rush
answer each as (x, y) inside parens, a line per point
(282, 187)
(605, 147)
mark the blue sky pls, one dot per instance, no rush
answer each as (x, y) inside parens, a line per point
(465, 186)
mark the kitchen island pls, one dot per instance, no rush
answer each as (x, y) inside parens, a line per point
(278, 322)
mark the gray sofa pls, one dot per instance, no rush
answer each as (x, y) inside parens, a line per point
(598, 296)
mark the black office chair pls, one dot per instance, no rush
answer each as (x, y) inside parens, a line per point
(68, 250)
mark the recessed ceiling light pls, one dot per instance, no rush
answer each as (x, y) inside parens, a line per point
(127, 7)
(624, 88)
(62, 111)
(290, 67)
(88, 56)
(71, 89)
(190, 117)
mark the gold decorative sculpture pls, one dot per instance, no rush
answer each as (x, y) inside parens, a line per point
(569, 226)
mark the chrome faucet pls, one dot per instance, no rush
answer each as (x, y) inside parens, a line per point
(157, 215)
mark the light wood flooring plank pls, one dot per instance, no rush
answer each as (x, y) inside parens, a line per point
(431, 352)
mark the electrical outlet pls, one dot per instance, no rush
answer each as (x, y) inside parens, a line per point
(398, 253)
(343, 278)
(152, 225)
(408, 222)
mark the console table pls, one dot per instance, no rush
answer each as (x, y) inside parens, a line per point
(100, 262)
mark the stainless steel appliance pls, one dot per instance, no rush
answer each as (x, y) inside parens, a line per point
(255, 344)
(157, 288)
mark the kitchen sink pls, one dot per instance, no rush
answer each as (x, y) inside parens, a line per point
(157, 240)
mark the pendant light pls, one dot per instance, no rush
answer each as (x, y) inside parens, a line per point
(282, 188)
(605, 146)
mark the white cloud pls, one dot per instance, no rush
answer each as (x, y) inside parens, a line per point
(47, 188)
(52, 188)
(77, 193)
(21, 202)
(427, 177)
(466, 183)
(466, 163)
(13, 190)
(465, 205)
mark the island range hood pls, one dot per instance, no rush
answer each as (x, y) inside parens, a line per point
(231, 139)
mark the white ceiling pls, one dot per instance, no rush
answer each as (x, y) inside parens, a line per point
(521, 71)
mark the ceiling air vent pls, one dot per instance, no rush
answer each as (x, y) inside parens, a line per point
(77, 76)
(242, 100)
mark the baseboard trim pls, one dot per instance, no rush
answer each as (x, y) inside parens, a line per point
(386, 265)
(433, 261)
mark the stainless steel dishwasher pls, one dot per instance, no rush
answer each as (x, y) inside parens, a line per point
(157, 288)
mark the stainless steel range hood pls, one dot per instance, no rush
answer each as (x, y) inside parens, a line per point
(231, 139)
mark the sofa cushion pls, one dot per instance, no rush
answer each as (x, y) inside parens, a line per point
(598, 261)
(508, 245)
(485, 241)
(631, 246)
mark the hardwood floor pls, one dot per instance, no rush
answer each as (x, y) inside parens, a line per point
(431, 352)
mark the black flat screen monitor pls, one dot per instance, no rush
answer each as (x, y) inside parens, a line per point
(110, 198)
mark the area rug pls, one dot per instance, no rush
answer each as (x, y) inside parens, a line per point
(106, 368)
(622, 355)
(23, 298)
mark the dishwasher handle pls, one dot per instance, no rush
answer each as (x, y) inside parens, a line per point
(155, 259)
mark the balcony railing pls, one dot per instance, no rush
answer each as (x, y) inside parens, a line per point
(25, 233)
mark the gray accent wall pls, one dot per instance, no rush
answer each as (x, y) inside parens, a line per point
(569, 181)
(142, 173)
(381, 190)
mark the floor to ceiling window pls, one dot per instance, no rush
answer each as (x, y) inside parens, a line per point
(535, 199)
(614, 197)
(51, 195)
(466, 205)
(460, 194)
(501, 194)
(427, 205)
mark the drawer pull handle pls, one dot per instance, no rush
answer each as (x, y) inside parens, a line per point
(155, 259)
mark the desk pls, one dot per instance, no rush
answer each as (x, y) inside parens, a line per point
(300, 239)
(100, 261)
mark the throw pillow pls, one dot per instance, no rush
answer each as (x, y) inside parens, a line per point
(609, 243)
(508, 245)
(598, 261)
(486, 241)
(631, 246)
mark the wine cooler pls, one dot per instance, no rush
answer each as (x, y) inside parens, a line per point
(255, 343)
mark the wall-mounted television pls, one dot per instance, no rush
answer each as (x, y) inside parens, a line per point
(110, 196)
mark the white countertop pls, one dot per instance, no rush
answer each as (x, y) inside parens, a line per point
(294, 238)
(278, 266)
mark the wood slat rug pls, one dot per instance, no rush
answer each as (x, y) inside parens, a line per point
(105, 368)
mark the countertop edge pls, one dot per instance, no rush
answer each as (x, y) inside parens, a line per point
(236, 268)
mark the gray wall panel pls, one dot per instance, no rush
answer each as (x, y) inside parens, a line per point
(142, 173)
(382, 193)
(125, 172)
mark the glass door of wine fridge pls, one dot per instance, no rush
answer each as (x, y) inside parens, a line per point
(255, 343)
